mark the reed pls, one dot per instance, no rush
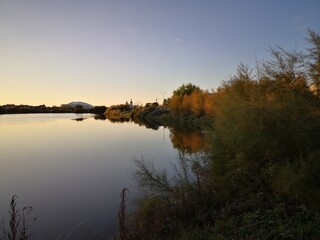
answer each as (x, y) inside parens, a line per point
(122, 215)
(14, 219)
(19, 222)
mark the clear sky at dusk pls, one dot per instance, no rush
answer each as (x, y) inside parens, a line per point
(106, 52)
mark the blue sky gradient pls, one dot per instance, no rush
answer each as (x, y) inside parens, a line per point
(106, 52)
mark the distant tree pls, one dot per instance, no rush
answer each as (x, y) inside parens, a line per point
(99, 110)
(78, 108)
(185, 89)
(188, 99)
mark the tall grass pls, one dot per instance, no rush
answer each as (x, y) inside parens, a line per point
(14, 219)
(19, 222)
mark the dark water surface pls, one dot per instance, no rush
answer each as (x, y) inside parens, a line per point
(72, 172)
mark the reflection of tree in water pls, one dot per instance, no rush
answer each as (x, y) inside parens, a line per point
(145, 123)
(96, 117)
(119, 120)
(150, 125)
(79, 119)
(100, 117)
(186, 140)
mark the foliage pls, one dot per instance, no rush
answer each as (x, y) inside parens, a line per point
(147, 176)
(190, 100)
(186, 89)
(265, 131)
(98, 110)
(260, 179)
(314, 59)
(171, 204)
(119, 112)
(268, 224)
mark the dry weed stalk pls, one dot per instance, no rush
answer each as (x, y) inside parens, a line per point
(122, 215)
(19, 222)
(24, 235)
(14, 219)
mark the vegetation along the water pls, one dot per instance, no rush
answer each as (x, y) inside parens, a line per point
(259, 176)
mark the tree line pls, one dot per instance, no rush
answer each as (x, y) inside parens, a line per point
(294, 71)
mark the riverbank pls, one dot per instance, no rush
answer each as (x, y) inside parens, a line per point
(152, 115)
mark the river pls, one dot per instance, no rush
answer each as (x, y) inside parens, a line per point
(71, 169)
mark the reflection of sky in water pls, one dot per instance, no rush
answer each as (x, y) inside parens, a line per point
(72, 172)
(14, 119)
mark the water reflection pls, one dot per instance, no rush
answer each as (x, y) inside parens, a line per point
(71, 172)
(144, 123)
(119, 120)
(100, 117)
(188, 140)
(79, 119)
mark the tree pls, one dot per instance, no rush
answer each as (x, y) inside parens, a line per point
(261, 178)
(314, 59)
(78, 108)
(187, 100)
(185, 89)
(197, 103)
(208, 105)
(265, 133)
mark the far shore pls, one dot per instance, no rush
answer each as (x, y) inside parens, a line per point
(22, 109)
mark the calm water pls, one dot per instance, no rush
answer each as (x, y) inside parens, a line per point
(72, 172)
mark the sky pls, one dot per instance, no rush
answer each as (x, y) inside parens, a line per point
(107, 52)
